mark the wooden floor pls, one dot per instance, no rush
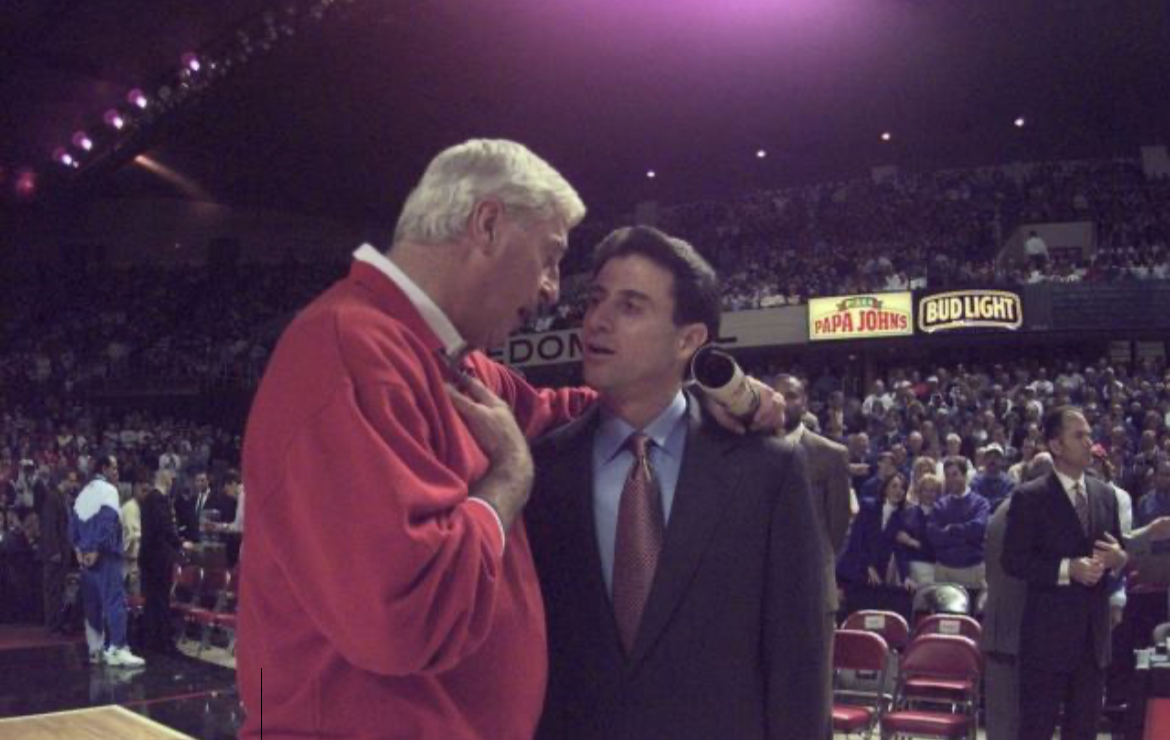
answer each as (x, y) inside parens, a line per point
(101, 723)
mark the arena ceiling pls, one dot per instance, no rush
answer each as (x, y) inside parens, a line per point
(339, 119)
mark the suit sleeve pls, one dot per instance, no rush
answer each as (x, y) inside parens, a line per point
(796, 627)
(1022, 557)
(840, 509)
(416, 587)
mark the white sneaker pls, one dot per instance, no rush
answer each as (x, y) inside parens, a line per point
(122, 657)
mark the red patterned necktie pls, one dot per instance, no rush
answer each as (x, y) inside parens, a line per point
(1082, 506)
(640, 525)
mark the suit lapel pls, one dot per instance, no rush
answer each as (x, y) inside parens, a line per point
(705, 481)
(572, 478)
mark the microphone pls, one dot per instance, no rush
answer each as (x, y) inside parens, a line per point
(721, 378)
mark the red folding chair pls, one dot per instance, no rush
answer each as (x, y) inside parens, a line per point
(185, 591)
(859, 711)
(890, 625)
(226, 618)
(937, 694)
(1157, 719)
(212, 595)
(949, 624)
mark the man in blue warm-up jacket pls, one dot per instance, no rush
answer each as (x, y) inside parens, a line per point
(95, 528)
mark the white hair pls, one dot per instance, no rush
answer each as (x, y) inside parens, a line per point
(439, 207)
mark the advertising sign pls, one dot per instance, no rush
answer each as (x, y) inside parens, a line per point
(969, 309)
(861, 317)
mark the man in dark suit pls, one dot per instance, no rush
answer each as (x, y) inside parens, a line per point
(1063, 537)
(160, 547)
(830, 484)
(189, 507)
(1002, 613)
(226, 500)
(681, 565)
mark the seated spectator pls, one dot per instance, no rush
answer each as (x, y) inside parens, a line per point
(1156, 502)
(871, 491)
(956, 529)
(991, 482)
(873, 561)
(913, 538)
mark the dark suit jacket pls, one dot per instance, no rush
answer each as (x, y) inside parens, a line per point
(733, 638)
(1042, 530)
(1005, 595)
(830, 485)
(186, 516)
(160, 538)
(871, 546)
(224, 504)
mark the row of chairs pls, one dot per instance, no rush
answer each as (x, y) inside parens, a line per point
(922, 683)
(206, 599)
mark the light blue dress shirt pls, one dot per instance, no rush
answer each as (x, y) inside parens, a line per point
(612, 462)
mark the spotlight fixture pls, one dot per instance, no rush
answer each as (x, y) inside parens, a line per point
(114, 119)
(26, 183)
(1020, 122)
(137, 98)
(651, 174)
(760, 154)
(191, 62)
(82, 141)
(62, 157)
(886, 136)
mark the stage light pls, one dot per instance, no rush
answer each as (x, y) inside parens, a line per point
(886, 136)
(760, 154)
(82, 141)
(191, 62)
(1020, 122)
(26, 183)
(137, 98)
(114, 119)
(60, 156)
(651, 174)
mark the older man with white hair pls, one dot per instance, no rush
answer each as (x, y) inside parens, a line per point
(388, 587)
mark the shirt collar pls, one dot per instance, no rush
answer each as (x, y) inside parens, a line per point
(1067, 483)
(427, 308)
(614, 431)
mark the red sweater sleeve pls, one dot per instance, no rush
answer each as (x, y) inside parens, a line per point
(377, 538)
(537, 410)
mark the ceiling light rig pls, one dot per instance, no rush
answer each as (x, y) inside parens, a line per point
(129, 125)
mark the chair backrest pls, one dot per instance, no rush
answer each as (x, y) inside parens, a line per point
(214, 585)
(1161, 632)
(942, 656)
(949, 624)
(858, 650)
(187, 581)
(942, 598)
(890, 625)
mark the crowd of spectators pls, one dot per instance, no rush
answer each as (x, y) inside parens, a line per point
(90, 328)
(935, 451)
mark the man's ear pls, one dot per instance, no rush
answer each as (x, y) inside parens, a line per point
(691, 338)
(484, 224)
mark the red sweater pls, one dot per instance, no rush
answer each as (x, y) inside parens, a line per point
(376, 601)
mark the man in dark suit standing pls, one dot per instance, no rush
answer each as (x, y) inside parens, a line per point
(226, 500)
(1063, 537)
(189, 507)
(161, 546)
(681, 565)
(830, 484)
